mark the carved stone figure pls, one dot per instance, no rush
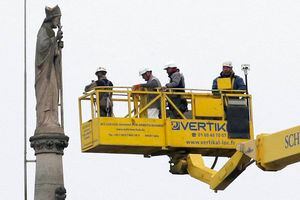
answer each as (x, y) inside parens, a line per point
(49, 139)
(48, 73)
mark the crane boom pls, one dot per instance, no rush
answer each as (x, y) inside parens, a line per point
(275, 151)
(271, 152)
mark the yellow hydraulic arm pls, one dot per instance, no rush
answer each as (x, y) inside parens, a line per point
(271, 152)
(193, 164)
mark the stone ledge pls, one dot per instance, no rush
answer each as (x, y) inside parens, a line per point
(49, 143)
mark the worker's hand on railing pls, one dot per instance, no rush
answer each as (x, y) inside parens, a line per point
(136, 87)
(216, 92)
(164, 89)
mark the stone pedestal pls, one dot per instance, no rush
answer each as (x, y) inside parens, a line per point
(49, 149)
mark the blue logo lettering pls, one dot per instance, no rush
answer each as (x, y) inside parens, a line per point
(175, 126)
(198, 126)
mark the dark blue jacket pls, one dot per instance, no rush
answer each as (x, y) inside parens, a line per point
(237, 85)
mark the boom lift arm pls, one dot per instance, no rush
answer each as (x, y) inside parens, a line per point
(271, 152)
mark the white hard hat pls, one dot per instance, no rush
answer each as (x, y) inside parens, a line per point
(227, 64)
(144, 70)
(100, 69)
(170, 64)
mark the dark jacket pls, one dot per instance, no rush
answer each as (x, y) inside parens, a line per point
(104, 82)
(101, 82)
(238, 83)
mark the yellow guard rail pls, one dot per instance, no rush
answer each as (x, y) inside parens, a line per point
(201, 130)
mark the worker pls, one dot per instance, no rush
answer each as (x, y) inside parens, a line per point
(105, 97)
(152, 82)
(176, 81)
(235, 82)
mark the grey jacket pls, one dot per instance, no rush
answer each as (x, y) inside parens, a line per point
(176, 81)
(151, 85)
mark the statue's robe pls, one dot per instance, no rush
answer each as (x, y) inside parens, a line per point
(47, 80)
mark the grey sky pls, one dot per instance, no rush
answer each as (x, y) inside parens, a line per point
(124, 36)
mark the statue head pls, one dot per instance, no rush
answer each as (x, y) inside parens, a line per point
(53, 15)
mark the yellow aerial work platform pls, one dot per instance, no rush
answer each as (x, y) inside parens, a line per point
(217, 123)
(205, 129)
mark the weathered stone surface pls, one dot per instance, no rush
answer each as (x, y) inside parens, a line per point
(49, 143)
(48, 72)
(49, 139)
(49, 175)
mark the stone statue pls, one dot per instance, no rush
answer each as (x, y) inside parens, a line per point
(48, 73)
(49, 139)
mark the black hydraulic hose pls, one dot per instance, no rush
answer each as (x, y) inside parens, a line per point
(249, 163)
(215, 162)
